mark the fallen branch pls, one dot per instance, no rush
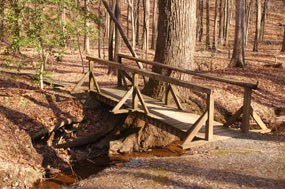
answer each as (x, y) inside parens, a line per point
(61, 124)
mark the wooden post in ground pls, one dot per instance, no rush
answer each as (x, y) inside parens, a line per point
(119, 74)
(246, 110)
(91, 80)
(135, 85)
(210, 121)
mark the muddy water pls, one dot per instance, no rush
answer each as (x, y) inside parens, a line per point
(89, 167)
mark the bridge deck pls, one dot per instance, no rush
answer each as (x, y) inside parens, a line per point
(168, 118)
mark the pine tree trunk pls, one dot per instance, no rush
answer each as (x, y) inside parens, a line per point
(257, 25)
(176, 39)
(238, 59)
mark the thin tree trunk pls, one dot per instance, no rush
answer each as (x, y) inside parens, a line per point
(263, 19)
(99, 30)
(154, 25)
(248, 14)
(208, 43)
(238, 57)
(2, 15)
(146, 27)
(201, 10)
(283, 46)
(87, 27)
(117, 33)
(226, 25)
(138, 22)
(214, 46)
(257, 25)
(222, 22)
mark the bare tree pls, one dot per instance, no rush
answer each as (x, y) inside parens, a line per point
(263, 19)
(257, 25)
(238, 57)
(283, 45)
(2, 7)
(214, 46)
(154, 25)
(248, 15)
(87, 27)
(208, 43)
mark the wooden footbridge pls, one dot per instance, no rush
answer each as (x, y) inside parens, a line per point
(126, 97)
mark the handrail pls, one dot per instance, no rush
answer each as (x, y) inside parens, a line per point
(190, 72)
(153, 75)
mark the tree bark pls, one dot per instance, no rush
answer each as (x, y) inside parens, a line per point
(257, 25)
(208, 43)
(117, 33)
(238, 59)
(214, 46)
(263, 19)
(200, 27)
(154, 25)
(2, 8)
(176, 39)
(283, 46)
(87, 27)
(248, 14)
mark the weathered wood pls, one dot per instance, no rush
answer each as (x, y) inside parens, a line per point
(246, 110)
(120, 29)
(210, 121)
(191, 133)
(174, 93)
(81, 82)
(91, 80)
(95, 82)
(153, 75)
(190, 72)
(135, 97)
(123, 100)
(234, 117)
(141, 100)
(257, 119)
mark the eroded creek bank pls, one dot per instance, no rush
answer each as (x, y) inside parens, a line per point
(76, 151)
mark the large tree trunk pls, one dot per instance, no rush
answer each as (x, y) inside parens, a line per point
(176, 38)
(238, 51)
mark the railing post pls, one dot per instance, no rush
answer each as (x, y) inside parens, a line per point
(135, 85)
(118, 59)
(91, 80)
(246, 110)
(210, 121)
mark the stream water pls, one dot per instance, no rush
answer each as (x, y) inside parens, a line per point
(89, 167)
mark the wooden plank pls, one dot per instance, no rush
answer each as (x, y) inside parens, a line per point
(174, 93)
(91, 81)
(123, 100)
(80, 82)
(141, 100)
(210, 121)
(234, 117)
(258, 119)
(191, 133)
(153, 75)
(96, 83)
(246, 110)
(190, 72)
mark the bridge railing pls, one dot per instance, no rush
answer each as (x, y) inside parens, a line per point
(207, 116)
(245, 110)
